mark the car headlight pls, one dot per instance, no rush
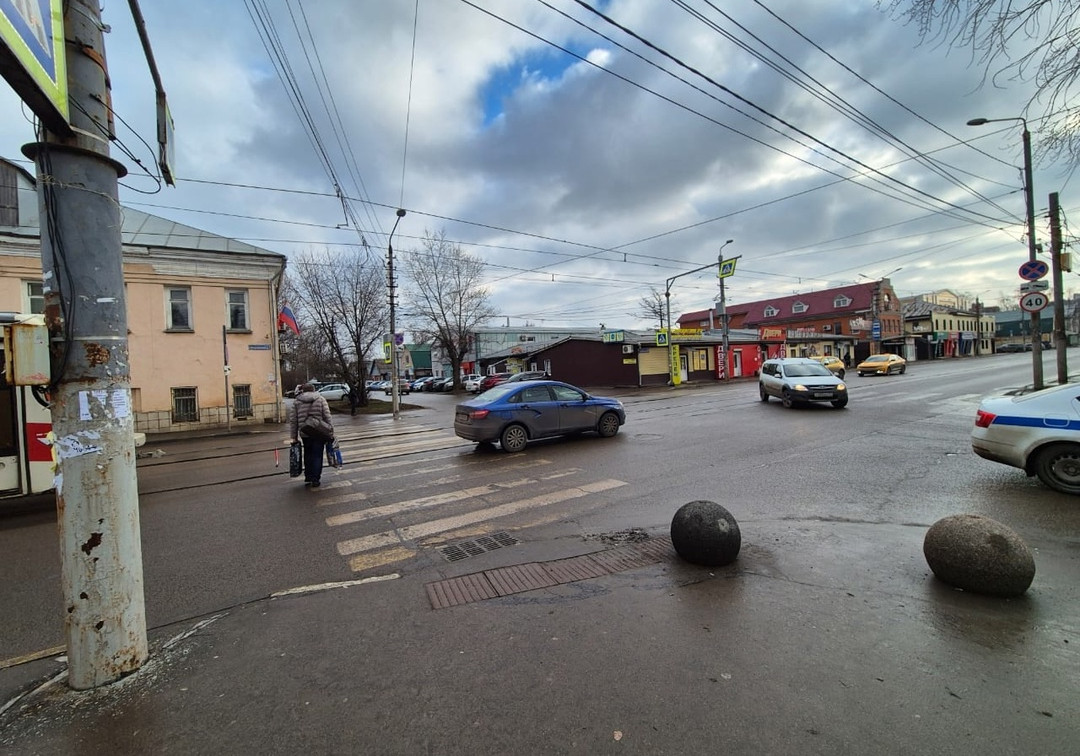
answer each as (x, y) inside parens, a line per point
(799, 387)
(841, 387)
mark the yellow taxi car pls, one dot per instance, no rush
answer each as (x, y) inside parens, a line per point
(882, 364)
(835, 364)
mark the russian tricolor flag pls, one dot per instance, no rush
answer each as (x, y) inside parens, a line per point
(286, 319)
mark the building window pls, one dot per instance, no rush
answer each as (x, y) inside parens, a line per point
(841, 301)
(9, 195)
(242, 401)
(799, 307)
(35, 297)
(178, 309)
(238, 309)
(771, 312)
(185, 405)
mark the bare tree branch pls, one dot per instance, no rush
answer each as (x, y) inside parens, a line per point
(341, 296)
(1016, 40)
(653, 306)
(447, 297)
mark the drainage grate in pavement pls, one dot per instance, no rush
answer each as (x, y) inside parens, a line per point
(455, 552)
(506, 581)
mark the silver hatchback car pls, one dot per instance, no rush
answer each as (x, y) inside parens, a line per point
(796, 380)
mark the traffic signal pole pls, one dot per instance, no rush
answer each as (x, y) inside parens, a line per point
(82, 271)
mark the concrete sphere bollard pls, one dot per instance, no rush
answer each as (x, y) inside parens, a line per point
(978, 554)
(705, 533)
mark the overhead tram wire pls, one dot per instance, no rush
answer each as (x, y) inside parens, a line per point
(647, 260)
(351, 163)
(316, 142)
(358, 225)
(322, 85)
(884, 178)
(826, 95)
(870, 84)
(914, 201)
(869, 172)
(272, 42)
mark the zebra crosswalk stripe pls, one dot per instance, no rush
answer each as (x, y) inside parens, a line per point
(437, 499)
(414, 532)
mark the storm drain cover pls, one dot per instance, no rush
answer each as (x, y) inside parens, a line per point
(520, 578)
(455, 552)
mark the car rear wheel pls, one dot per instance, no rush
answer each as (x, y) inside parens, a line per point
(1058, 466)
(786, 398)
(514, 438)
(608, 425)
(860, 374)
(764, 394)
(903, 369)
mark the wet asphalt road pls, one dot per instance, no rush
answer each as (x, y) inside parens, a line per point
(832, 505)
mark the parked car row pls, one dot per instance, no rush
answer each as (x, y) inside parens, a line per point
(1021, 346)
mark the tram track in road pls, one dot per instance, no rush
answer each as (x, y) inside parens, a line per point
(209, 466)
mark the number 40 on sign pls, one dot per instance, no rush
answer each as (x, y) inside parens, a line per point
(1033, 301)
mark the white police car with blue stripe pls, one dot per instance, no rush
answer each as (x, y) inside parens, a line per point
(1038, 432)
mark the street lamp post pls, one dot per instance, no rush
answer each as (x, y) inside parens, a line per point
(723, 308)
(671, 341)
(395, 402)
(1029, 197)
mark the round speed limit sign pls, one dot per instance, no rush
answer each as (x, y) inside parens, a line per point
(1033, 301)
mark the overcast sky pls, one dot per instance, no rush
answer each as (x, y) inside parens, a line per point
(586, 169)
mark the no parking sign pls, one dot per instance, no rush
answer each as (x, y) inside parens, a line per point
(1033, 270)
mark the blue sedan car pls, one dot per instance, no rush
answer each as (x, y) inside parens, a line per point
(515, 413)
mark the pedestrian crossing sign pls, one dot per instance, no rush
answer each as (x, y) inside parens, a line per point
(661, 338)
(727, 268)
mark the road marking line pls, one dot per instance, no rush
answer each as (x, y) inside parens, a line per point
(361, 562)
(347, 499)
(435, 500)
(327, 586)
(416, 532)
(422, 503)
(426, 471)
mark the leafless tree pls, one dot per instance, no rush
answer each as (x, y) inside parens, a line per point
(653, 306)
(1034, 40)
(341, 296)
(446, 297)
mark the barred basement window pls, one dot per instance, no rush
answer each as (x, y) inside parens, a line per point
(185, 405)
(242, 401)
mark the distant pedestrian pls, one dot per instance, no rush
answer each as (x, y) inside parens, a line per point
(847, 359)
(310, 403)
(354, 400)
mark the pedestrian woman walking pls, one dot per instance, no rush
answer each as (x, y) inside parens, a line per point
(310, 403)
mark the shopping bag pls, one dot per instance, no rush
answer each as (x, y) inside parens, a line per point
(333, 454)
(296, 460)
(317, 428)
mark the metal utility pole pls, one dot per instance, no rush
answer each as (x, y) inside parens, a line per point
(395, 401)
(1029, 199)
(674, 378)
(725, 345)
(82, 265)
(1060, 339)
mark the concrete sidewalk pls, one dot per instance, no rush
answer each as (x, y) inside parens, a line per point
(823, 637)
